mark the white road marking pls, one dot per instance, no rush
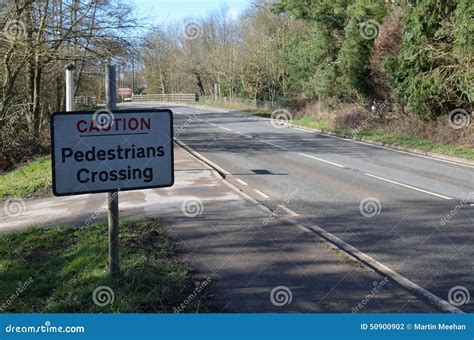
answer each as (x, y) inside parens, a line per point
(261, 194)
(240, 181)
(387, 148)
(278, 146)
(305, 130)
(224, 128)
(323, 160)
(288, 211)
(243, 134)
(410, 187)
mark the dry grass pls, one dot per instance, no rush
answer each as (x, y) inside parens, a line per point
(356, 119)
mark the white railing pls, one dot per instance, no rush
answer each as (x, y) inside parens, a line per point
(84, 102)
(174, 98)
(258, 104)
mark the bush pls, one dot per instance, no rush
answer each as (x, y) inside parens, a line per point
(433, 74)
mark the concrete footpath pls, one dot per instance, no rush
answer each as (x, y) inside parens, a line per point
(254, 259)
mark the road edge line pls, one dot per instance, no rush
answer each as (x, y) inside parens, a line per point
(353, 252)
(222, 173)
(382, 269)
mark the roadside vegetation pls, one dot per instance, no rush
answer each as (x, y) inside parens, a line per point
(58, 269)
(397, 72)
(30, 180)
(38, 38)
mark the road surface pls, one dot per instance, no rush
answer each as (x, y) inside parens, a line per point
(412, 213)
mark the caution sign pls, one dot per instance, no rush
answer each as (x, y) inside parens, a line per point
(111, 150)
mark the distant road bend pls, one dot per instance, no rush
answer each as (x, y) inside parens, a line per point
(412, 213)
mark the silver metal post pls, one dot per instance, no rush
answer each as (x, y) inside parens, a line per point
(113, 200)
(110, 87)
(70, 87)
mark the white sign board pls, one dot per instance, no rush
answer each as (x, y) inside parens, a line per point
(111, 150)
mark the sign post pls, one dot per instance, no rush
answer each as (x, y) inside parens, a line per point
(109, 151)
(69, 87)
(112, 199)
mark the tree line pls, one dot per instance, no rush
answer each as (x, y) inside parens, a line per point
(38, 38)
(417, 54)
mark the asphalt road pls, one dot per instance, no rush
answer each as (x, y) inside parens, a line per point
(412, 213)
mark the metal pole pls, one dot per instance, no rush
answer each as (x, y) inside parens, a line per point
(133, 75)
(110, 87)
(69, 87)
(114, 235)
(113, 201)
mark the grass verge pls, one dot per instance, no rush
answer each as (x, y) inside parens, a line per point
(32, 179)
(417, 143)
(59, 268)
